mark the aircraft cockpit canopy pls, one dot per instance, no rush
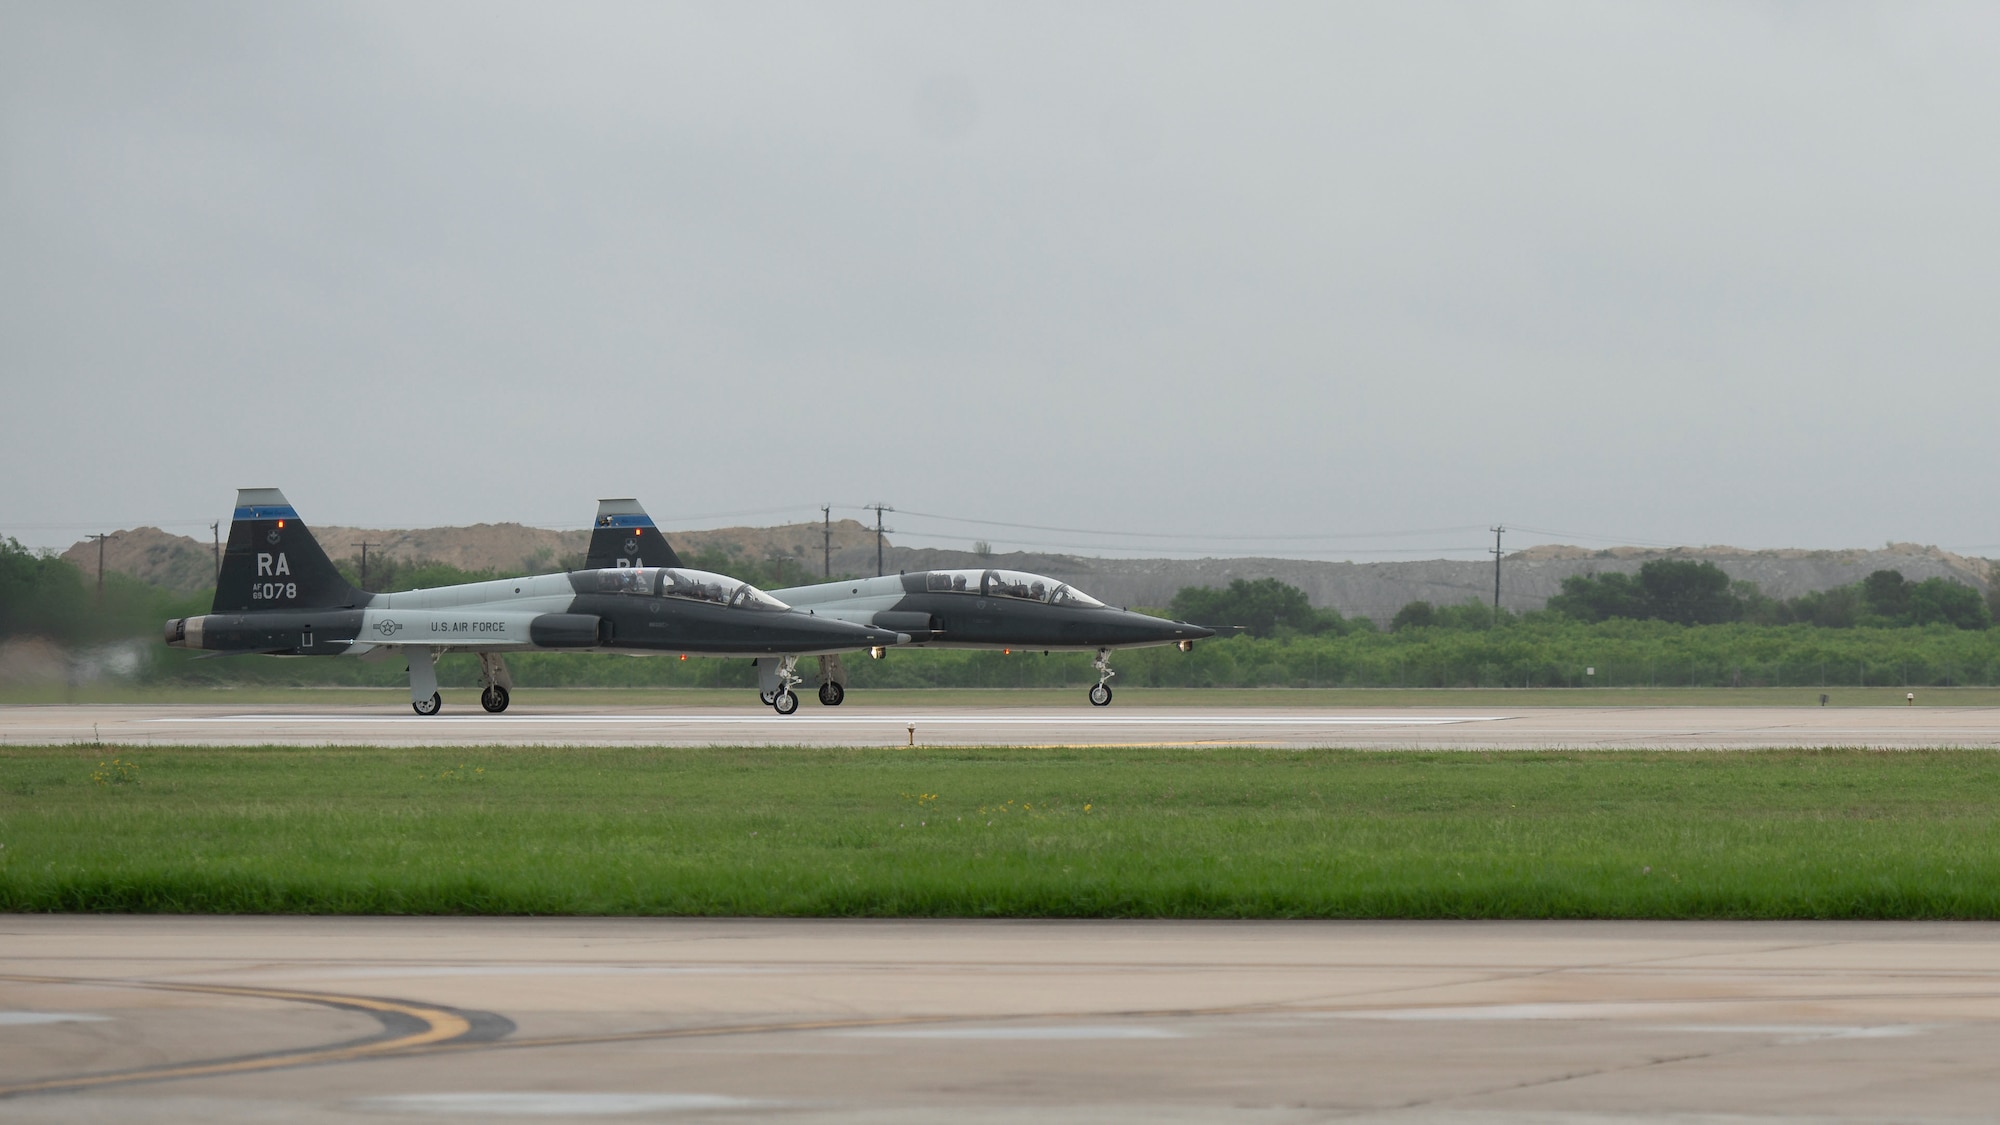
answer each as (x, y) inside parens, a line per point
(1009, 584)
(691, 585)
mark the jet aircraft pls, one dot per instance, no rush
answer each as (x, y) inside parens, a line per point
(279, 594)
(976, 609)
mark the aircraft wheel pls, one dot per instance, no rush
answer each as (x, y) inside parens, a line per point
(429, 706)
(1100, 696)
(831, 693)
(785, 703)
(765, 697)
(494, 698)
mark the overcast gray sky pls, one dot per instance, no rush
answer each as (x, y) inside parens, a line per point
(1675, 273)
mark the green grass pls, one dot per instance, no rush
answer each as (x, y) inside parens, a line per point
(989, 832)
(245, 694)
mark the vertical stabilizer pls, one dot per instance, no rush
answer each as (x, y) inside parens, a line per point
(624, 535)
(273, 562)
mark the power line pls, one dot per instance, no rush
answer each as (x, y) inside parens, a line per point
(1195, 536)
(1631, 540)
(911, 536)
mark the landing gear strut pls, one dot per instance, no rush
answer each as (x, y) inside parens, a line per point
(1100, 695)
(775, 681)
(424, 697)
(497, 684)
(832, 681)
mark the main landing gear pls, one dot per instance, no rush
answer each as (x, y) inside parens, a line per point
(832, 681)
(497, 686)
(424, 697)
(1100, 694)
(775, 681)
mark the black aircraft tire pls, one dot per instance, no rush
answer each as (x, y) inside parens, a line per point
(495, 698)
(785, 703)
(1100, 696)
(429, 706)
(765, 698)
(831, 693)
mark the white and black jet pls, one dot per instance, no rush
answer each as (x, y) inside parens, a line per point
(279, 594)
(977, 609)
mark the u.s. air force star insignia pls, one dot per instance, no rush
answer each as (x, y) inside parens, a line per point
(388, 628)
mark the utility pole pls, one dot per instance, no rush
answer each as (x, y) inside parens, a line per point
(878, 509)
(215, 529)
(364, 560)
(100, 562)
(826, 538)
(1497, 532)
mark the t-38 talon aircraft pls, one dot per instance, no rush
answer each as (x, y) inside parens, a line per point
(279, 594)
(981, 609)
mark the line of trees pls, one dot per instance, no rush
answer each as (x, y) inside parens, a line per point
(1265, 607)
(1700, 593)
(42, 595)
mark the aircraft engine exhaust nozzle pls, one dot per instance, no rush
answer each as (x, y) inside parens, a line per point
(185, 632)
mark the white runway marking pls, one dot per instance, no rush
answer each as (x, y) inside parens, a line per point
(549, 1104)
(1800, 1032)
(881, 720)
(1010, 1033)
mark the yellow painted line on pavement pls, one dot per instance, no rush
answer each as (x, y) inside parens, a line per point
(440, 1026)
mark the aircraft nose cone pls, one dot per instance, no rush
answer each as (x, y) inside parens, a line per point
(1153, 630)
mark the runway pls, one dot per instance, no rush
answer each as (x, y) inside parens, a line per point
(396, 1019)
(863, 724)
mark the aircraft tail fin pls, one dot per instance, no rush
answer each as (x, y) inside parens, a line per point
(624, 535)
(273, 562)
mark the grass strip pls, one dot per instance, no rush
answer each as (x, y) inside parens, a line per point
(1169, 833)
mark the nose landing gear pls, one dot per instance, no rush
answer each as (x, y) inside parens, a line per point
(1100, 694)
(495, 698)
(831, 693)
